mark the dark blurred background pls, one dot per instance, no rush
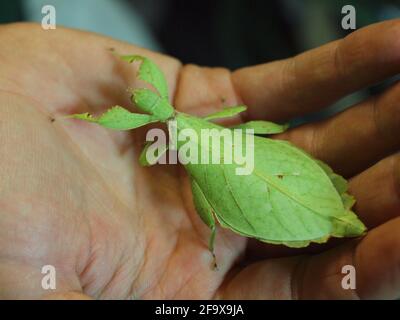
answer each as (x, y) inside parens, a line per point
(229, 33)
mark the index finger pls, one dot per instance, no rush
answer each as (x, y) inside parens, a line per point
(317, 78)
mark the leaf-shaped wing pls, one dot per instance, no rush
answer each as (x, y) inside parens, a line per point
(117, 118)
(288, 199)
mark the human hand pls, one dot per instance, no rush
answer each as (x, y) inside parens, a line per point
(73, 195)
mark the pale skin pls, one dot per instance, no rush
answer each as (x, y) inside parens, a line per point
(73, 195)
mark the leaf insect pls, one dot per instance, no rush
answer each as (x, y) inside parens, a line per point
(306, 201)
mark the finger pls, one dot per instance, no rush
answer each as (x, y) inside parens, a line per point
(312, 80)
(266, 280)
(203, 91)
(377, 191)
(368, 132)
(375, 260)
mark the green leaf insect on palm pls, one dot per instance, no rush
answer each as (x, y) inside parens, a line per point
(290, 198)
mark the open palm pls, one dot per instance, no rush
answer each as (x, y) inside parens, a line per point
(72, 194)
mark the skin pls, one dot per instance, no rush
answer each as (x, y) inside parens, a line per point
(72, 194)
